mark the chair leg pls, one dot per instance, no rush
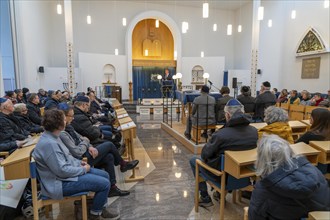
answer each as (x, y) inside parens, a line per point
(222, 196)
(246, 213)
(48, 208)
(196, 187)
(84, 207)
(234, 196)
(35, 199)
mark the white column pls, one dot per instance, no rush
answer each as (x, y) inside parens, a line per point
(255, 46)
(2, 92)
(69, 46)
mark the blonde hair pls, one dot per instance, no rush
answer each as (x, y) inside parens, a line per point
(19, 107)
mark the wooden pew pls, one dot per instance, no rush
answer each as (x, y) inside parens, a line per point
(296, 112)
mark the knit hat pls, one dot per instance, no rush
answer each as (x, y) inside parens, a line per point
(205, 89)
(25, 90)
(63, 106)
(81, 99)
(2, 100)
(233, 102)
(266, 84)
(50, 93)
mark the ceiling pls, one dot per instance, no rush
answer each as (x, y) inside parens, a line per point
(218, 4)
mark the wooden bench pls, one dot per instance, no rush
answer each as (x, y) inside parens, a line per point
(197, 131)
(297, 112)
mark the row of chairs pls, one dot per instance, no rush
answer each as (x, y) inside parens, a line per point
(298, 112)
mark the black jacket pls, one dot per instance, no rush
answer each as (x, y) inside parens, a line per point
(290, 194)
(248, 102)
(11, 130)
(83, 124)
(51, 104)
(263, 101)
(34, 113)
(27, 124)
(230, 138)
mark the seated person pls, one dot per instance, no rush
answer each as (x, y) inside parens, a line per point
(62, 174)
(53, 99)
(228, 137)
(42, 97)
(294, 99)
(33, 108)
(221, 102)
(283, 97)
(19, 96)
(315, 101)
(290, 186)
(97, 111)
(21, 113)
(104, 155)
(11, 95)
(203, 111)
(305, 98)
(12, 135)
(65, 97)
(265, 99)
(326, 101)
(246, 99)
(277, 123)
(320, 129)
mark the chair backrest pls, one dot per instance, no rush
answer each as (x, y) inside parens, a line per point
(308, 111)
(285, 106)
(296, 112)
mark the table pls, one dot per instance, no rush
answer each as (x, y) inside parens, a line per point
(324, 147)
(307, 122)
(258, 125)
(309, 152)
(318, 215)
(240, 164)
(298, 128)
(17, 164)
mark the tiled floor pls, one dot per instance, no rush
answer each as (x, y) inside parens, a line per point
(167, 191)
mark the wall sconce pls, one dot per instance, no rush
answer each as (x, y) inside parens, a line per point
(206, 76)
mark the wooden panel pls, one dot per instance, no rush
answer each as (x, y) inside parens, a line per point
(240, 163)
(309, 152)
(318, 215)
(297, 112)
(324, 147)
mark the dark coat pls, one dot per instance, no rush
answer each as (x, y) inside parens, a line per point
(263, 101)
(248, 102)
(34, 113)
(290, 194)
(11, 130)
(220, 106)
(230, 138)
(9, 146)
(83, 124)
(51, 104)
(27, 124)
(204, 110)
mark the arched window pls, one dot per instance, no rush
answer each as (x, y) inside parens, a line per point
(197, 75)
(109, 72)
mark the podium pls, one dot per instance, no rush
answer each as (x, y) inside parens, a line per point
(112, 90)
(167, 87)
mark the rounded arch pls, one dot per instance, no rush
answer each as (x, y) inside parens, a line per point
(109, 72)
(168, 21)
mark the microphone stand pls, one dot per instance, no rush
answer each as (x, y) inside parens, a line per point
(211, 84)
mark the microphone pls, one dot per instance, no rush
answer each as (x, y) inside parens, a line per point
(210, 82)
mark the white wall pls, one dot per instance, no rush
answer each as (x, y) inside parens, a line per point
(212, 65)
(91, 68)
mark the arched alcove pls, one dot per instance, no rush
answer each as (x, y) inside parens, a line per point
(109, 73)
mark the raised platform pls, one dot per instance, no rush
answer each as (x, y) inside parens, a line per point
(177, 131)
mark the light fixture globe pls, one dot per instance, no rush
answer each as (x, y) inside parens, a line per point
(174, 77)
(206, 75)
(159, 77)
(178, 75)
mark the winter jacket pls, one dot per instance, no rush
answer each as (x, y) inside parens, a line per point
(290, 194)
(281, 129)
(230, 138)
(11, 129)
(248, 102)
(263, 101)
(203, 110)
(51, 104)
(27, 124)
(34, 113)
(220, 106)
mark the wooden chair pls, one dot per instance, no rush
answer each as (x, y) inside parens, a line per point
(42, 111)
(4, 154)
(297, 112)
(246, 213)
(285, 106)
(45, 201)
(308, 111)
(226, 183)
(197, 131)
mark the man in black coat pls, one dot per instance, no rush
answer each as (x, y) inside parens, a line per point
(12, 135)
(33, 108)
(230, 137)
(21, 114)
(54, 99)
(265, 99)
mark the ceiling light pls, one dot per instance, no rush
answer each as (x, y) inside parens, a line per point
(146, 53)
(202, 53)
(124, 22)
(175, 54)
(215, 27)
(326, 3)
(260, 13)
(59, 9)
(205, 10)
(185, 27)
(229, 29)
(89, 19)
(116, 52)
(157, 23)
(293, 14)
(270, 23)
(239, 28)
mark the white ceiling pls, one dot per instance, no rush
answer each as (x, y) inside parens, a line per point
(218, 4)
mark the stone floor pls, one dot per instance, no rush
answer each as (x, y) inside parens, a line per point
(167, 191)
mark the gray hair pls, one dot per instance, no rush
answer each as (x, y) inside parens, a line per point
(275, 114)
(233, 109)
(273, 152)
(308, 95)
(19, 107)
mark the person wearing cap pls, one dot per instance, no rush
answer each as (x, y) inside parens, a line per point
(53, 99)
(34, 109)
(246, 99)
(25, 93)
(236, 135)
(221, 102)
(203, 111)
(12, 135)
(265, 99)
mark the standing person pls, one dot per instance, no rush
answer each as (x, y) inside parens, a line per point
(290, 186)
(167, 75)
(228, 137)
(104, 155)
(62, 174)
(265, 99)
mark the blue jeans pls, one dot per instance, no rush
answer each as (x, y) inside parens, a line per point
(95, 181)
(107, 158)
(106, 131)
(202, 185)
